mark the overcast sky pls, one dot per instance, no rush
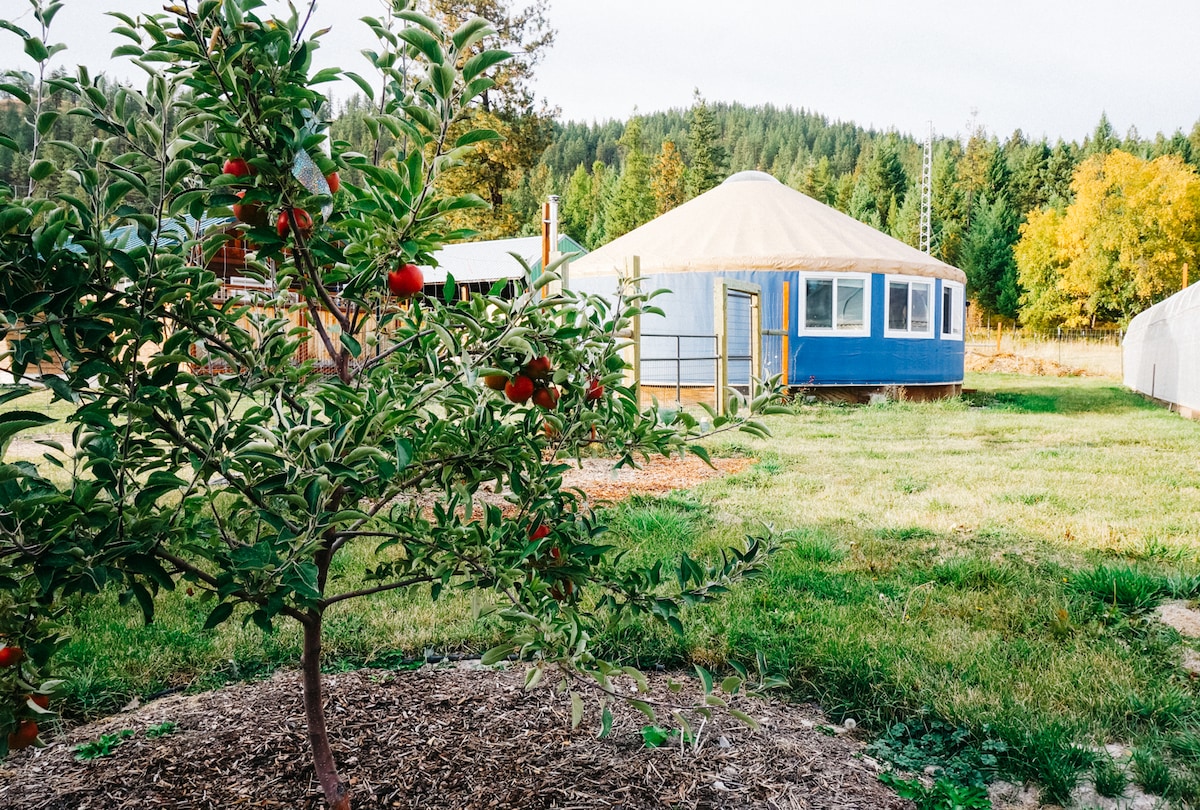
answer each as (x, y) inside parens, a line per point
(1049, 67)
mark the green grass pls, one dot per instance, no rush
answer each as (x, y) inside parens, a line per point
(989, 564)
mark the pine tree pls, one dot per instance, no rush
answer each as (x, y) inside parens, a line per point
(988, 258)
(905, 224)
(604, 181)
(575, 212)
(1103, 138)
(632, 203)
(707, 159)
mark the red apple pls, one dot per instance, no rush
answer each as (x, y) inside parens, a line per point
(538, 368)
(334, 182)
(11, 656)
(41, 701)
(519, 389)
(251, 213)
(24, 736)
(405, 281)
(304, 223)
(496, 382)
(237, 167)
(539, 531)
(546, 398)
(594, 390)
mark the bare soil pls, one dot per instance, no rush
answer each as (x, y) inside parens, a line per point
(1006, 363)
(442, 738)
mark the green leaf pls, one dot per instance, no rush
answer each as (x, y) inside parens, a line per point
(59, 386)
(362, 83)
(423, 116)
(706, 679)
(471, 32)
(442, 78)
(731, 685)
(745, 718)
(424, 42)
(17, 92)
(424, 21)
(576, 710)
(643, 707)
(41, 169)
(606, 721)
(478, 136)
(219, 614)
(14, 422)
(496, 654)
(352, 345)
(480, 62)
(46, 120)
(36, 49)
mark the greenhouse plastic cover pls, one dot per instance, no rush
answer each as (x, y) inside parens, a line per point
(1162, 351)
(754, 222)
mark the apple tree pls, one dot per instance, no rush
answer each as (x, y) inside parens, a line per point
(212, 446)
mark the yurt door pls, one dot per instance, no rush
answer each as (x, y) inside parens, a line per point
(738, 324)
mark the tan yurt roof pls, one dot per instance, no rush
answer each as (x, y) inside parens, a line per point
(754, 222)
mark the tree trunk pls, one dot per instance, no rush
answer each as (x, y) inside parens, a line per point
(336, 795)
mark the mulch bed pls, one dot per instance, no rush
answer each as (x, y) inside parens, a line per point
(441, 738)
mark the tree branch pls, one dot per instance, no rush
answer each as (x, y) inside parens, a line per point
(391, 586)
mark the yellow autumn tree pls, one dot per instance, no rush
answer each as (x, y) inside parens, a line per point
(1040, 260)
(1119, 247)
(669, 179)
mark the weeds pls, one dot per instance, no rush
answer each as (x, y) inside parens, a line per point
(957, 754)
(102, 746)
(1151, 771)
(941, 795)
(1127, 589)
(1109, 777)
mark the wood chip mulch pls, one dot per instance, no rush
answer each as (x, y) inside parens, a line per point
(657, 476)
(441, 738)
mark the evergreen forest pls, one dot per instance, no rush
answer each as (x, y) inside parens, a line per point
(1061, 234)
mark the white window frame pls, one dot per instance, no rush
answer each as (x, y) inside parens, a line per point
(957, 310)
(931, 285)
(835, 330)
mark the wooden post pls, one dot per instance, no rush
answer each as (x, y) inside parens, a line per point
(633, 354)
(756, 337)
(720, 296)
(545, 242)
(1185, 275)
(783, 354)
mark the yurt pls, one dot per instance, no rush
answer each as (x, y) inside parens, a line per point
(841, 307)
(1162, 352)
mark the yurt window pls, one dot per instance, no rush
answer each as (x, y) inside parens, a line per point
(909, 308)
(835, 304)
(952, 310)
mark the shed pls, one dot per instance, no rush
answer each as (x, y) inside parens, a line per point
(476, 266)
(841, 305)
(1161, 352)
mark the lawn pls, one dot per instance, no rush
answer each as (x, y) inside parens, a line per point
(972, 580)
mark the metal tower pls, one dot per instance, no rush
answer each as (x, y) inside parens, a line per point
(927, 193)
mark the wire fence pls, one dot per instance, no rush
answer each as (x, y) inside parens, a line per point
(1091, 351)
